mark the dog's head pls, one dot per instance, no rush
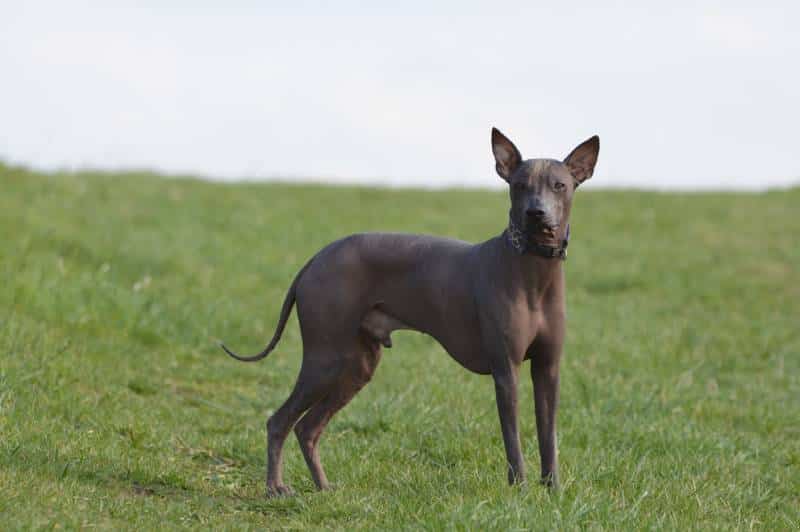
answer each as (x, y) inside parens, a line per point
(541, 189)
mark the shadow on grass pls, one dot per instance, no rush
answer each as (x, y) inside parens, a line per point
(168, 487)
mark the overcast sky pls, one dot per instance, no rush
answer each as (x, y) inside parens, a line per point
(702, 94)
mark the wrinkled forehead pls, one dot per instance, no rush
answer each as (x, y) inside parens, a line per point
(534, 170)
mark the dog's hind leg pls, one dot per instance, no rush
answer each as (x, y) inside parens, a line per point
(312, 386)
(309, 429)
(358, 372)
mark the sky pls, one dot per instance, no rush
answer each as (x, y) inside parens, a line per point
(700, 95)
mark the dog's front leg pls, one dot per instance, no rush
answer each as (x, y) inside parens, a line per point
(545, 375)
(505, 384)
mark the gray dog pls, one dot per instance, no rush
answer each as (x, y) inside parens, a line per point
(491, 305)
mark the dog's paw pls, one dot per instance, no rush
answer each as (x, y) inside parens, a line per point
(549, 481)
(279, 490)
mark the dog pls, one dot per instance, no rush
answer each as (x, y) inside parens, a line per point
(491, 306)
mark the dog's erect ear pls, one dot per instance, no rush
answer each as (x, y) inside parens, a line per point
(582, 160)
(506, 155)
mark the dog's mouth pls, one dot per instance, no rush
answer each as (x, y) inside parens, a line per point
(548, 230)
(541, 229)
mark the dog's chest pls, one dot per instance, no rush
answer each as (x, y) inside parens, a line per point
(522, 326)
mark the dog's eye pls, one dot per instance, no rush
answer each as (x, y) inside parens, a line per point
(559, 186)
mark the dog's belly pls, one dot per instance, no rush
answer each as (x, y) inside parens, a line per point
(424, 284)
(387, 282)
(379, 325)
(470, 358)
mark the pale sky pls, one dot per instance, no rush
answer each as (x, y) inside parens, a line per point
(695, 95)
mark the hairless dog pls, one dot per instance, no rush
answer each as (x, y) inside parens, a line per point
(491, 306)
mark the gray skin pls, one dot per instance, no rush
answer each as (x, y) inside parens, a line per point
(488, 306)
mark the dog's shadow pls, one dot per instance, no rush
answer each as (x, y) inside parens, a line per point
(136, 483)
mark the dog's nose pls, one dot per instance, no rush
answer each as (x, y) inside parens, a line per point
(534, 212)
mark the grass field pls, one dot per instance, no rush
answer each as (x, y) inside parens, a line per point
(681, 379)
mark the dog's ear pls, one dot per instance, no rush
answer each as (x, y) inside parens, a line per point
(506, 155)
(582, 160)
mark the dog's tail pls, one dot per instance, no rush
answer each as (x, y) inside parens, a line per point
(286, 310)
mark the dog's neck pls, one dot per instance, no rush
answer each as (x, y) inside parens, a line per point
(524, 273)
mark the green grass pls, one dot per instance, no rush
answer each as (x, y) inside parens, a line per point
(681, 378)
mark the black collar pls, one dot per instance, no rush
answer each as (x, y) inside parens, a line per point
(519, 243)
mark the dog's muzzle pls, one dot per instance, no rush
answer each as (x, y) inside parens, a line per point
(522, 243)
